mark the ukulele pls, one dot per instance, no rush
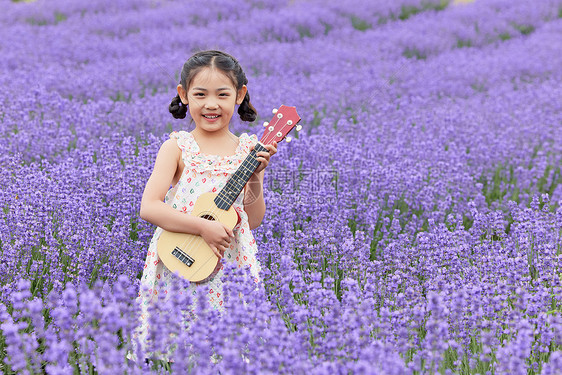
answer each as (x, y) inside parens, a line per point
(188, 254)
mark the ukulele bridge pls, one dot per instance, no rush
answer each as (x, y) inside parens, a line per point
(183, 257)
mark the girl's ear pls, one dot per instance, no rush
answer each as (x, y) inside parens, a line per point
(183, 94)
(241, 94)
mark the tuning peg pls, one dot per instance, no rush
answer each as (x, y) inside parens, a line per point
(288, 139)
(274, 111)
(265, 123)
(299, 127)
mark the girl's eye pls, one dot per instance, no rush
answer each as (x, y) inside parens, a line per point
(198, 94)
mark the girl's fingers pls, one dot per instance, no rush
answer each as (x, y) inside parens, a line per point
(271, 148)
(228, 231)
(216, 252)
(264, 156)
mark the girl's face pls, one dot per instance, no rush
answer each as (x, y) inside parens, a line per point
(211, 98)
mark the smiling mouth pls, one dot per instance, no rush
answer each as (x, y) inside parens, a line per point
(211, 117)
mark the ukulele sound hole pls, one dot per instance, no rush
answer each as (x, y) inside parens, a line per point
(208, 217)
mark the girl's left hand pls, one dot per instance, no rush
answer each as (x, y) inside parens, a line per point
(264, 156)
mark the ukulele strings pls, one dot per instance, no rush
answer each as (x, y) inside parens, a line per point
(212, 212)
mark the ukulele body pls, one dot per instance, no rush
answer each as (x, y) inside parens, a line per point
(189, 254)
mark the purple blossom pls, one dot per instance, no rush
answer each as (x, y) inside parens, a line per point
(413, 225)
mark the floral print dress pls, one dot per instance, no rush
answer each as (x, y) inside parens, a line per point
(202, 173)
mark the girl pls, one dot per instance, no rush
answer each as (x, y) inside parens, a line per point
(212, 84)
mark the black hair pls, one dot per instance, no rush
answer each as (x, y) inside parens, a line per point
(228, 65)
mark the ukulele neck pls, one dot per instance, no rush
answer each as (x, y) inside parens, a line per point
(236, 183)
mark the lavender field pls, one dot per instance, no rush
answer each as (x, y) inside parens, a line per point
(414, 225)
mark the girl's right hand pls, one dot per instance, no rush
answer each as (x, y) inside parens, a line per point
(217, 235)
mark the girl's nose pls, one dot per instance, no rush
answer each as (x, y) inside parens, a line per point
(211, 104)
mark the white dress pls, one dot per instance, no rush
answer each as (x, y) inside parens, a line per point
(202, 173)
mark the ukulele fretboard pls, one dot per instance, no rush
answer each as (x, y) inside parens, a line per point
(236, 183)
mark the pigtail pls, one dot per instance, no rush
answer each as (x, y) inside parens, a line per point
(246, 110)
(177, 108)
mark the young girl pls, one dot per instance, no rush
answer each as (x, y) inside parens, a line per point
(212, 84)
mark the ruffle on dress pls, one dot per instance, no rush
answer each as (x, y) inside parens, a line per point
(195, 159)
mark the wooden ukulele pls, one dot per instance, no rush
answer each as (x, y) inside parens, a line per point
(189, 254)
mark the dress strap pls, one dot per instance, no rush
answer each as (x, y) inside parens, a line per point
(246, 141)
(185, 141)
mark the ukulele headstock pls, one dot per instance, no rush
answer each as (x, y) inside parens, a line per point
(283, 121)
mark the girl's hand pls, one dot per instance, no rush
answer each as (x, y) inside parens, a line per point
(264, 156)
(217, 235)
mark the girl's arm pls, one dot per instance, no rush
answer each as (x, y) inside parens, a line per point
(153, 209)
(254, 204)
